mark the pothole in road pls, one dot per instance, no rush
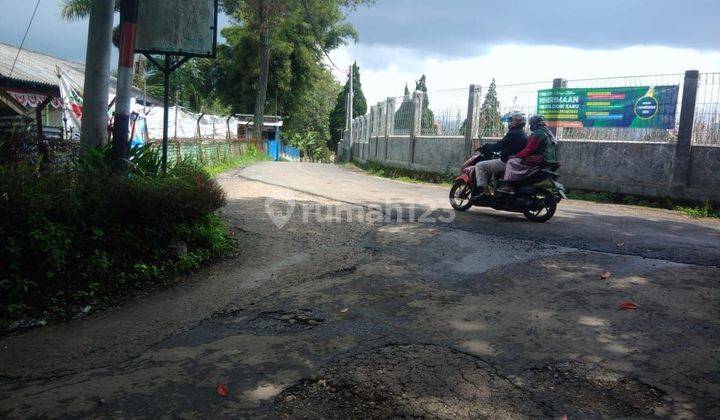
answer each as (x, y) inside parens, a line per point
(439, 382)
(300, 319)
(235, 322)
(407, 380)
(583, 391)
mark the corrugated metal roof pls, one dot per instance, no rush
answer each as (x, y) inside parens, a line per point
(36, 67)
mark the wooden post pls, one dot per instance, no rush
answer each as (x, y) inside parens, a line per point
(179, 151)
(42, 146)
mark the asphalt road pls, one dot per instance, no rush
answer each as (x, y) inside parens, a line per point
(334, 309)
(629, 230)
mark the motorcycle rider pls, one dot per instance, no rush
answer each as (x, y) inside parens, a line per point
(541, 146)
(539, 150)
(514, 141)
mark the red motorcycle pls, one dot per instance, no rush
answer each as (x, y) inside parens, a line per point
(535, 196)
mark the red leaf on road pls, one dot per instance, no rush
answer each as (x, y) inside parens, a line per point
(606, 275)
(221, 390)
(629, 306)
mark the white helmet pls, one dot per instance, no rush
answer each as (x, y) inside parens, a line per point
(514, 119)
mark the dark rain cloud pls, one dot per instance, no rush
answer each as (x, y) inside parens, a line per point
(452, 28)
(463, 27)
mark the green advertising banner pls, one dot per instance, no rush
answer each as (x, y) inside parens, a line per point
(628, 107)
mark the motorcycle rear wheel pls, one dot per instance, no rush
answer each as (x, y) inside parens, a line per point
(546, 212)
(459, 190)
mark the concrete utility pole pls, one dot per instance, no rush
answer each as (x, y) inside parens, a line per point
(351, 102)
(97, 74)
(259, 117)
(126, 67)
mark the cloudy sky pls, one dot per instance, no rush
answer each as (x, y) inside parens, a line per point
(458, 42)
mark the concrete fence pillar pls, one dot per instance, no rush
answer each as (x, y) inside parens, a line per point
(378, 119)
(373, 126)
(353, 137)
(368, 120)
(473, 116)
(366, 128)
(343, 144)
(415, 121)
(681, 160)
(558, 83)
(381, 118)
(389, 122)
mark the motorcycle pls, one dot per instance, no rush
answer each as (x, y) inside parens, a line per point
(535, 196)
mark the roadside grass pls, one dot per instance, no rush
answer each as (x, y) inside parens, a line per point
(251, 155)
(401, 174)
(689, 208)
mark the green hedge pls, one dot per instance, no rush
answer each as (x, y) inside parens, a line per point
(86, 237)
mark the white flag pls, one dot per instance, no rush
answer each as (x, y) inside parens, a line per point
(72, 105)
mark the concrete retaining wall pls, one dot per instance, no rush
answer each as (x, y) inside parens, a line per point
(439, 154)
(398, 150)
(705, 172)
(609, 166)
(623, 167)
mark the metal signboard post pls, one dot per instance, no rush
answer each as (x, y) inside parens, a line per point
(178, 30)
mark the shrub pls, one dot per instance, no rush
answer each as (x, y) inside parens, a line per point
(311, 145)
(85, 237)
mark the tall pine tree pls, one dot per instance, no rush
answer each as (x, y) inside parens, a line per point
(403, 115)
(427, 122)
(337, 117)
(490, 123)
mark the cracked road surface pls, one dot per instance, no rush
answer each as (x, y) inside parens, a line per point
(474, 315)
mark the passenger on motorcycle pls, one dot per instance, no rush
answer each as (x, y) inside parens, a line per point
(540, 150)
(513, 142)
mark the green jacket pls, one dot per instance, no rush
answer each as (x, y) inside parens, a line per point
(540, 144)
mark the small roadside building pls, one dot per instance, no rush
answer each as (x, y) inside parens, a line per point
(271, 127)
(33, 77)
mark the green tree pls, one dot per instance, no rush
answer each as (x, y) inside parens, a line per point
(299, 36)
(294, 36)
(78, 9)
(490, 120)
(427, 122)
(403, 115)
(311, 146)
(339, 112)
(317, 105)
(194, 84)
